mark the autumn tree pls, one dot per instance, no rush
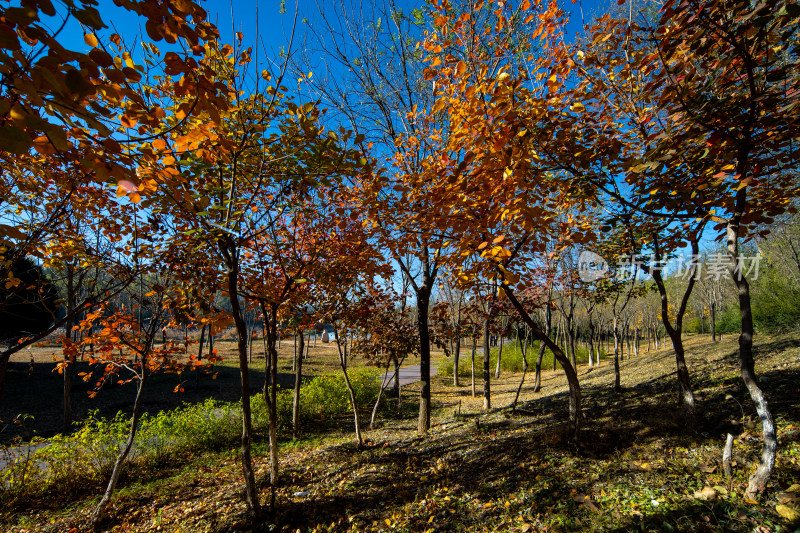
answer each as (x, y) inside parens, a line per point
(716, 134)
(368, 69)
(228, 175)
(67, 117)
(499, 200)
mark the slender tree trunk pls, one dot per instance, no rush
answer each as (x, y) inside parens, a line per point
(270, 393)
(521, 381)
(380, 394)
(597, 349)
(97, 514)
(557, 341)
(487, 393)
(199, 356)
(499, 357)
(251, 493)
(572, 376)
(627, 333)
(686, 396)
(423, 303)
(713, 322)
(341, 346)
(617, 344)
(298, 375)
(548, 324)
(758, 481)
(396, 362)
(456, 356)
(537, 380)
(474, 349)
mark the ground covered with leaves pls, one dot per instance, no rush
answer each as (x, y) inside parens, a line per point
(638, 466)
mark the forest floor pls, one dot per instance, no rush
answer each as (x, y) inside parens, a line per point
(638, 466)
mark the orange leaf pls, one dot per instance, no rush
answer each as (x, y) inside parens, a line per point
(90, 39)
(127, 121)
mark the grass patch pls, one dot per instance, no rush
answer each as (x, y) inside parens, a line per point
(85, 458)
(511, 360)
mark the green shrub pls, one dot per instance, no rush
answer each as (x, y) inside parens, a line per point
(88, 454)
(511, 360)
(323, 399)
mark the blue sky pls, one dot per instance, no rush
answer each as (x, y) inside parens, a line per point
(274, 27)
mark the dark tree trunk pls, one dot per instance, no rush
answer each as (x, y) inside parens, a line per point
(548, 325)
(200, 356)
(474, 349)
(423, 303)
(572, 376)
(487, 394)
(713, 322)
(617, 344)
(396, 362)
(758, 481)
(270, 393)
(298, 374)
(537, 380)
(524, 349)
(251, 493)
(456, 356)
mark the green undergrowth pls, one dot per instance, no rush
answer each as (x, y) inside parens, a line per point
(83, 459)
(510, 361)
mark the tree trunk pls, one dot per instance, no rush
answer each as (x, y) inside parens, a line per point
(270, 393)
(572, 376)
(627, 333)
(713, 322)
(758, 481)
(521, 381)
(200, 356)
(548, 324)
(686, 396)
(499, 357)
(97, 514)
(456, 355)
(617, 344)
(298, 374)
(251, 493)
(423, 302)
(487, 394)
(396, 362)
(474, 349)
(537, 380)
(342, 362)
(380, 394)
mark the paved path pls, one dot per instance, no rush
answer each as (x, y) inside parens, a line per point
(408, 375)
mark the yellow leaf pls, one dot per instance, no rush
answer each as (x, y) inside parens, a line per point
(90, 39)
(789, 513)
(578, 107)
